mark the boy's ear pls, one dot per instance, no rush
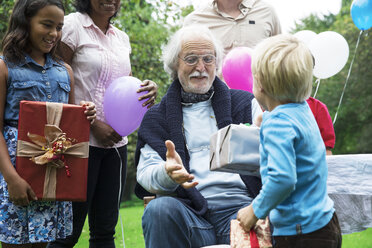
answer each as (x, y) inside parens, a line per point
(258, 84)
(261, 89)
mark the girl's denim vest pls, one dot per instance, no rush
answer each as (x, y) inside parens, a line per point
(33, 82)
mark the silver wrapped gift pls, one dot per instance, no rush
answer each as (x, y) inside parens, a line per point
(350, 187)
(235, 149)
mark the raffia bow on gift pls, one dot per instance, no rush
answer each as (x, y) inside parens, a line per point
(51, 148)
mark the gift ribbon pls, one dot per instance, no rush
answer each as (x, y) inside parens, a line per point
(253, 239)
(38, 153)
(219, 145)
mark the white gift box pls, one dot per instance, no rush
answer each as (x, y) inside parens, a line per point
(235, 149)
(350, 187)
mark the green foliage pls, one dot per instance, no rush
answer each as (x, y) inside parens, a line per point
(317, 24)
(346, 3)
(5, 11)
(353, 125)
(147, 35)
(69, 7)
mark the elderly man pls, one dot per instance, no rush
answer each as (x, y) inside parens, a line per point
(237, 23)
(194, 206)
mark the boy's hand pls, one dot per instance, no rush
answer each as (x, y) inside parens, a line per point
(247, 218)
(90, 110)
(257, 122)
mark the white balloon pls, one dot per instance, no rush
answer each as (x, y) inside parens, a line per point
(331, 52)
(305, 36)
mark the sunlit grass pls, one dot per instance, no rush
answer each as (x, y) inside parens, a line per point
(132, 215)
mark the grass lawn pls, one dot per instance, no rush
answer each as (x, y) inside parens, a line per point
(358, 240)
(131, 216)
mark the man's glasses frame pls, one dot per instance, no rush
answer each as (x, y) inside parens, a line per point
(193, 59)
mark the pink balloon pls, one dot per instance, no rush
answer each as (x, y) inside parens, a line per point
(236, 69)
(123, 111)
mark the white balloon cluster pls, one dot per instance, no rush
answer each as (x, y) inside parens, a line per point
(330, 51)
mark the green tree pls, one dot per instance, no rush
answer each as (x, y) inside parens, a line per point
(5, 11)
(353, 126)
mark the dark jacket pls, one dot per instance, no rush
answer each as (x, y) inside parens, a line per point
(164, 122)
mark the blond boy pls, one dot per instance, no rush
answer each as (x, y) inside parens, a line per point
(293, 157)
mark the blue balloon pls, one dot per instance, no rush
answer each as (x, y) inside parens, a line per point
(361, 13)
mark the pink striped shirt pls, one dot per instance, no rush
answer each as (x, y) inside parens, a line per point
(98, 59)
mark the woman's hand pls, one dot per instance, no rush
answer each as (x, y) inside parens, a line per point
(152, 88)
(105, 134)
(247, 218)
(20, 192)
(90, 110)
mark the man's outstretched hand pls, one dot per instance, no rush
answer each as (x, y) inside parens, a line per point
(175, 169)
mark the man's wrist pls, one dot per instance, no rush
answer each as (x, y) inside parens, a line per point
(168, 181)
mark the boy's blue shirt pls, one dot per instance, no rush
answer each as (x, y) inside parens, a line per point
(294, 171)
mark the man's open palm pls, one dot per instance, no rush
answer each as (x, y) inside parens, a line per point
(175, 169)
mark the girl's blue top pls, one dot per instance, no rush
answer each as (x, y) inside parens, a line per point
(30, 81)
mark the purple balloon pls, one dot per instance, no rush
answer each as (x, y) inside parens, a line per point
(123, 111)
(236, 69)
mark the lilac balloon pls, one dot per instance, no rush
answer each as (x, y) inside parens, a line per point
(236, 69)
(123, 111)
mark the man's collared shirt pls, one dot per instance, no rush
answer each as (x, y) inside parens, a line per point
(257, 21)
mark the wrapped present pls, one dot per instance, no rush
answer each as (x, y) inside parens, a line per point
(52, 150)
(349, 185)
(235, 149)
(257, 237)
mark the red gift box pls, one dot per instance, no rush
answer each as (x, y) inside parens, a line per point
(52, 150)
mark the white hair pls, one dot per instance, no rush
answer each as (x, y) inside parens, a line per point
(174, 46)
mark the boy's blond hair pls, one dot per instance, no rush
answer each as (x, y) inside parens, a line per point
(283, 66)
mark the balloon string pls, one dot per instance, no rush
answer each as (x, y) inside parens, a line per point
(317, 86)
(347, 78)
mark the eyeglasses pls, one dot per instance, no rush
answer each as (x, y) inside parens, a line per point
(193, 59)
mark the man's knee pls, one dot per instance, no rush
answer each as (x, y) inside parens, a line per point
(163, 209)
